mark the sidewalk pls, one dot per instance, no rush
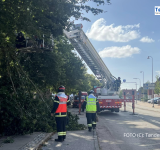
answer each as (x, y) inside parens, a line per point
(25, 142)
(146, 106)
(149, 105)
(75, 140)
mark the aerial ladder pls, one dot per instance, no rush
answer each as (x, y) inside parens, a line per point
(107, 95)
(88, 53)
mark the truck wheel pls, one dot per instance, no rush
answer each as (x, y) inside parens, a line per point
(116, 109)
(112, 110)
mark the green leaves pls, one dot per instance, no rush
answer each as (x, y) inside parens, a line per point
(73, 123)
(157, 85)
(8, 140)
(23, 74)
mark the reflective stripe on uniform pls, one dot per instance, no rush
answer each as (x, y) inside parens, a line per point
(56, 101)
(93, 122)
(60, 115)
(90, 103)
(89, 125)
(91, 100)
(62, 102)
(64, 133)
(60, 133)
(90, 111)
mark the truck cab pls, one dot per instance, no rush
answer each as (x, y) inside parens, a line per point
(76, 100)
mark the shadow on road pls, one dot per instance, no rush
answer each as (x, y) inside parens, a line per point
(113, 126)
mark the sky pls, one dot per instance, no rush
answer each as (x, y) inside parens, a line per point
(124, 37)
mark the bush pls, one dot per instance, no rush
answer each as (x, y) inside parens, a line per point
(8, 140)
(73, 123)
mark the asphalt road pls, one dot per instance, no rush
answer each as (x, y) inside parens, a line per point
(123, 131)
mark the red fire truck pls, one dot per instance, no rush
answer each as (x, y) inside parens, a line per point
(76, 99)
(112, 102)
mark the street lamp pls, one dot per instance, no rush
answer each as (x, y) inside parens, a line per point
(152, 78)
(152, 66)
(140, 83)
(143, 83)
(143, 75)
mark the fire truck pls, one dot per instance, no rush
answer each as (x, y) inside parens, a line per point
(76, 99)
(108, 93)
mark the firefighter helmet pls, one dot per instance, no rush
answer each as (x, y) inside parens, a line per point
(91, 92)
(20, 34)
(61, 88)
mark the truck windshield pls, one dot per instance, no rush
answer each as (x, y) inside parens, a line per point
(83, 97)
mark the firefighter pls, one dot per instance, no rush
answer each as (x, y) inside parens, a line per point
(60, 109)
(20, 40)
(92, 106)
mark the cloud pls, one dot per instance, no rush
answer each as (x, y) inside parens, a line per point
(119, 52)
(146, 39)
(101, 32)
(158, 72)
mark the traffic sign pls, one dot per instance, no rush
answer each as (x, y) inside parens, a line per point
(124, 80)
(147, 86)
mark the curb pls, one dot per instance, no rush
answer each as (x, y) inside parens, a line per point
(98, 141)
(40, 144)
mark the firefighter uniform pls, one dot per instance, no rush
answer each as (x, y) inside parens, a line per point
(92, 106)
(60, 109)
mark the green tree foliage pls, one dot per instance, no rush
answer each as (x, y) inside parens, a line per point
(23, 74)
(157, 85)
(41, 17)
(121, 94)
(87, 83)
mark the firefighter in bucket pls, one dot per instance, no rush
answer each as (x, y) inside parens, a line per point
(92, 106)
(60, 109)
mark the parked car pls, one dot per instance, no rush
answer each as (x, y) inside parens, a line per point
(150, 100)
(158, 101)
(155, 100)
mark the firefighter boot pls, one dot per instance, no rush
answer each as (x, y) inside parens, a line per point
(94, 126)
(89, 129)
(64, 136)
(60, 139)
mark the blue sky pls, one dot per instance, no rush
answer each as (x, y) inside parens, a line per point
(125, 36)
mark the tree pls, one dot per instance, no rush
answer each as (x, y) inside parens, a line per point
(34, 17)
(121, 94)
(23, 74)
(157, 85)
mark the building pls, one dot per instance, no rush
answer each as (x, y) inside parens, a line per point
(129, 93)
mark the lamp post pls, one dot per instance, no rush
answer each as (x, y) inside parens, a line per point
(139, 86)
(152, 78)
(140, 83)
(152, 66)
(143, 83)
